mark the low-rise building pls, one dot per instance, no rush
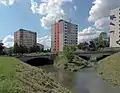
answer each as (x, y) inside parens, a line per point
(40, 46)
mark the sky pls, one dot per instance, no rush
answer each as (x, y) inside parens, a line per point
(92, 17)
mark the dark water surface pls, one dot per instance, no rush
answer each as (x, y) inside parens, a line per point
(81, 82)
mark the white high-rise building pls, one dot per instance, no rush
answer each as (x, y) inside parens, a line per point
(115, 27)
(63, 33)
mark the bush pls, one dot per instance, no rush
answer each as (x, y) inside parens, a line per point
(68, 52)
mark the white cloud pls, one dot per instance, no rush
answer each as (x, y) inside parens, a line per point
(46, 41)
(50, 10)
(75, 8)
(102, 23)
(8, 41)
(100, 11)
(88, 34)
(7, 2)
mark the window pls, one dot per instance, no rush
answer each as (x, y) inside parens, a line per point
(65, 39)
(65, 36)
(65, 27)
(65, 33)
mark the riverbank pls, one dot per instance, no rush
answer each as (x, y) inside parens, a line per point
(76, 65)
(109, 70)
(17, 77)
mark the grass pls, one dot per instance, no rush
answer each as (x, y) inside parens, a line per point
(8, 79)
(7, 65)
(77, 64)
(18, 77)
(109, 69)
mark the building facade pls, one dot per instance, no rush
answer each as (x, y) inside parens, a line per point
(115, 28)
(25, 38)
(40, 46)
(63, 33)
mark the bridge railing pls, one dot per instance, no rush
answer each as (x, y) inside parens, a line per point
(93, 52)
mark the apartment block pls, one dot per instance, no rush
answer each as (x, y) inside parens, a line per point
(25, 38)
(40, 46)
(115, 27)
(63, 33)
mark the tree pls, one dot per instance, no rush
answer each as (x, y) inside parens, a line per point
(10, 50)
(99, 42)
(23, 49)
(16, 48)
(68, 52)
(2, 49)
(20, 49)
(96, 44)
(47, 51)
(92, 45)
(83, 46)
(103, 35)
(103, 40)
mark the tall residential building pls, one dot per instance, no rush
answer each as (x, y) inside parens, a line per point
(25, 38)
(63, 33)
(115, 28)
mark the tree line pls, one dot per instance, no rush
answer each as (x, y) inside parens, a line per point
(23, 49)
(96, 44)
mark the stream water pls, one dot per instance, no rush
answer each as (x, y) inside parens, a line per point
(85, 81)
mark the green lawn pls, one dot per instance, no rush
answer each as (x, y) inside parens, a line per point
(8, 78)
(7, 65)
(109, 69)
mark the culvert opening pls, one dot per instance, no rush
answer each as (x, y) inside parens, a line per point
(102, 57)
(85, 57)
(40, 62)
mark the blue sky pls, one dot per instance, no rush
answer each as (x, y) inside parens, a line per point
(19, 15)
(92, 16)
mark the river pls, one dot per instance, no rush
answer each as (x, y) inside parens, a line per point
(85, 81)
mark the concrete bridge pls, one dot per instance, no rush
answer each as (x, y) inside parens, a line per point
(41, 60)
(37, 60)
(95, 55)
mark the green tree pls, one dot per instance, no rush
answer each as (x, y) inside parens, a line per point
(83, 46)
(103, 35)
(2, 49)
(92, 45)
(16, 48)
(10, 50)
(99, 42)
(103, 40)
(22, 49)
(68, 52)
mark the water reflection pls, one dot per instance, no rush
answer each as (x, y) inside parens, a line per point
(81, 82)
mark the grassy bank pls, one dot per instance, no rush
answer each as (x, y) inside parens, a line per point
(8, 78)
(109, 69)
(77, 63)
(17, 77)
